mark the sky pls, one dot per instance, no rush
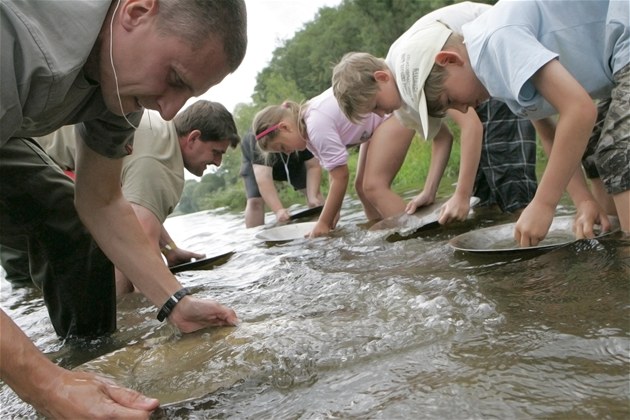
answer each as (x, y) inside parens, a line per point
(269, 22)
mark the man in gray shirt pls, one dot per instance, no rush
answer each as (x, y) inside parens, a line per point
(98, 63)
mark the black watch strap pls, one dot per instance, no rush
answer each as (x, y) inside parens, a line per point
(168, 306)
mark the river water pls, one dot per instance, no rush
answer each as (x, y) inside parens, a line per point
(356, 326)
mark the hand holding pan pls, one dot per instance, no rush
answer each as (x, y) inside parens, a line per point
(500, 238)
(313, 211)
(425, 216)
(286, 232)
(202, 264)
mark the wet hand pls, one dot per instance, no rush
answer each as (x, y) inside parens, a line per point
(282, 215)
(180, 256)
(533, 224)
(455, 208)
(588, 214)
(192, 314)
(420, 200)
(320, 229)
(85, 395)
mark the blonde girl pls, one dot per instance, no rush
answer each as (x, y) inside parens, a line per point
(321, 127)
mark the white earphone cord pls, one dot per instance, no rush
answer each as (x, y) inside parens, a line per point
(111, 59)
(286, 166)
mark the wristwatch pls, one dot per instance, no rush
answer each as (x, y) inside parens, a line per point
(170, 303)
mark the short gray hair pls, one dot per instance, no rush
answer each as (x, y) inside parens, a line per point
(196, 20)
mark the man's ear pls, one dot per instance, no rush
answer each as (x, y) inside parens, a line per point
(134, 12)
(444, 58)
(381, 76)
(192, 137)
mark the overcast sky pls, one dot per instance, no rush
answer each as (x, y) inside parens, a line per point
(269, 22)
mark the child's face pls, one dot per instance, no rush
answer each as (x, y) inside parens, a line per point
(462, 89)
(387, 99)
(288, 139)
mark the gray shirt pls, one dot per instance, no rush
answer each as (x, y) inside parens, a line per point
(45, 45)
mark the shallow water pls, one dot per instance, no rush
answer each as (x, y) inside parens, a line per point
(358, 326)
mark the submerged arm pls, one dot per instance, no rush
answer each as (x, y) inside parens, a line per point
(115, 227)
(457, 207)
(268, 191)
(339, 177)
(577, 115)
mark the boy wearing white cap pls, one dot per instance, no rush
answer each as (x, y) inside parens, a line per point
(562, 55)
(365, 84)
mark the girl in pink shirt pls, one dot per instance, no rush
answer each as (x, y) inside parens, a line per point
(320, 126)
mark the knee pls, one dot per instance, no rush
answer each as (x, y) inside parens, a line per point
(255, 204)
(368, 189)
(358, 187)
(373, 188)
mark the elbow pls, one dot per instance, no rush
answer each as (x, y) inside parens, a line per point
(585, 117)
(581, 111)
(91, 202)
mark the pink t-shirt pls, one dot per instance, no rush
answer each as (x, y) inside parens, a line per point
(330, 132)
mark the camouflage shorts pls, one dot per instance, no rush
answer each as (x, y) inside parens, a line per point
(607, 155)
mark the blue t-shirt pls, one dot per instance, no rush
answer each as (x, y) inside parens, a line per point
(509, 43)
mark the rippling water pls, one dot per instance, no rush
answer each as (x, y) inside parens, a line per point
(356, 326)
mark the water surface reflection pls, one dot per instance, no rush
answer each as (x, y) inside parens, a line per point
(357, 326)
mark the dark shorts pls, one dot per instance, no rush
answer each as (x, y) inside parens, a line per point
(607, 154)
(507, 168)
(297, 176)
(293, 164)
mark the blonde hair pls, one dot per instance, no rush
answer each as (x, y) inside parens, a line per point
(354, 84)
(434, 84)
(271, 115)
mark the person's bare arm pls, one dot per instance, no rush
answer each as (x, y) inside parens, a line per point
(115, 227)
(159, 236)
(313, 182)
(577, 115)
(160, 240)
(458, 206)
(339, 177)
(588, 210)
(59, 393)
(386, 153)
(268, 191)
(440, 152)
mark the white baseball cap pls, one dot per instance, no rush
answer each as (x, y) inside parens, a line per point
(413, 57)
